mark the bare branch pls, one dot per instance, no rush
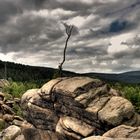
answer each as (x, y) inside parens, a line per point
(69, 29)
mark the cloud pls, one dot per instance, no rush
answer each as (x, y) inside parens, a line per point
(134, 41)
(128, 54)
(7, 9)
(28, 30)
(105, 36)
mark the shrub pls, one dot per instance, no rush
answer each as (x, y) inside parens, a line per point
(2, 124)
(16, 89)
(17, 109)
(130, 92)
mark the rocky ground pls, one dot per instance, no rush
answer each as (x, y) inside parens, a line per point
(70, 109)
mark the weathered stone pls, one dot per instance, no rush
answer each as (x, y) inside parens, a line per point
(10, 103)
(32, 133)
(49, 135)
(76, 85)
(17, 122)
(75, 126)
(97, 104)
(20, 137)
(106, 138)
(114, 92)
(85, 97)
(116, 110)
(11, 133)
(124, 131)
(60, 128)
(18, 118)
(42, 118)
(28, 95)
(33, 96)
(2, 95)
(38, 111)
(8, 117)
(47, 88)
(133, 121)
(7, 109)
(89, 98)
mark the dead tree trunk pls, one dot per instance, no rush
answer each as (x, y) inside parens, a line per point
(5, 70)
(68, 32)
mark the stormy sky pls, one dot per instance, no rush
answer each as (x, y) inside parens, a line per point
(105, 37)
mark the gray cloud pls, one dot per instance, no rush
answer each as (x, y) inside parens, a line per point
(86, 51)
(131, 53)
(132, 41)
(27, 31)
(7, 9)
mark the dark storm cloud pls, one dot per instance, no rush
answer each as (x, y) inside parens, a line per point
(53, 4)
(114, 64)
(131, 53)
(38, 4)
(7, 9)
(124, 7)
(86, 51)
(114, 28)
(28, 31)
(74, 6)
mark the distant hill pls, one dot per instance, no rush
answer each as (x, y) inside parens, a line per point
(19, 72)
(132, 77)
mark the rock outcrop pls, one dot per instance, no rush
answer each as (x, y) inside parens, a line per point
(76, 108)
(8, 106)
(11, 132)
(124, 131)
(107, 138)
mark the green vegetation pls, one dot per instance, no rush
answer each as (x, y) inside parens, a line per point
(17, 109)
(2, 124)
(130, 92)
(25, 73)
(16, 89)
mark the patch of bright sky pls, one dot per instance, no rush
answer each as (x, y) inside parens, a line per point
(77, 21)
(116, 45)
(7, 57)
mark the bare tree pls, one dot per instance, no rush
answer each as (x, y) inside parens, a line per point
(68, 29)
(5, 70)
